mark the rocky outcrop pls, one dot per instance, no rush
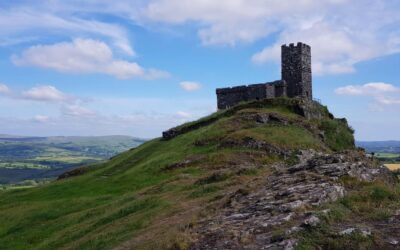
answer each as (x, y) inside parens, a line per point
(286, 201)
(73, 173)
(251, 143)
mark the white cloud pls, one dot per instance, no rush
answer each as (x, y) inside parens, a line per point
(190, 86)
(383, 94)
(368, 89)
(4, 89)
(41, 118)
(389, 101)
(82, 56)
(332, 51)
(183, 115)
(45, 93)
(77, 110)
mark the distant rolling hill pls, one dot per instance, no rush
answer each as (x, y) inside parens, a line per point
(33, 158)
(380, 146)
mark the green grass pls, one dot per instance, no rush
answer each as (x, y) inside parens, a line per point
(339, 136)
(387, 155)
(322, 239)
(287, 137)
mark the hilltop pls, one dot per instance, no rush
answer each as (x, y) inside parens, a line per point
(276, 174)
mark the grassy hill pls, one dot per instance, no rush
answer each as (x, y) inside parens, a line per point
(35, 158)
(152, 196)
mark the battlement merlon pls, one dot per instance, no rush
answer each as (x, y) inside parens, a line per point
(300, 46)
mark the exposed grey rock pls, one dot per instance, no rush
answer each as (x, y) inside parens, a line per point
(347, 231)
(289, 244)
(326, 211)
(73, 173)
(311, 221)
(239, 216)
(254, 144)
(393, 242)
(294, 229)
(262, 118)
(363, 231)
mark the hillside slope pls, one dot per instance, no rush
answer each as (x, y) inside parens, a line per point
(278, 173)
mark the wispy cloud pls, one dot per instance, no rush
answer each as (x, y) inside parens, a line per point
(368, 89)
(41, 118)
(83, 56)
(77, 110)
(42, 19)
(54, 111)
(190, 86)
(68, 104)
(143, 124)
(183, 115)
(46, 93)
(382, 93)
(4, 89)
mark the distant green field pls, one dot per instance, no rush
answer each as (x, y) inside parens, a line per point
(22, 165)
(67, 159)
(387, 155)
(388, 158)
(36, 158)
(23, 185)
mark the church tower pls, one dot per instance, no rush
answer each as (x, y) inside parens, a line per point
(296, 70)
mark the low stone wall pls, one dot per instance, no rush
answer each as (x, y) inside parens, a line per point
(229, 97)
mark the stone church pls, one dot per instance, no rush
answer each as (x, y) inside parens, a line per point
(296, 80)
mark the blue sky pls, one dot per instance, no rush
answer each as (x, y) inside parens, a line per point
(100, 67)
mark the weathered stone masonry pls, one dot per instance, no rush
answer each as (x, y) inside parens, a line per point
(296, 80)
